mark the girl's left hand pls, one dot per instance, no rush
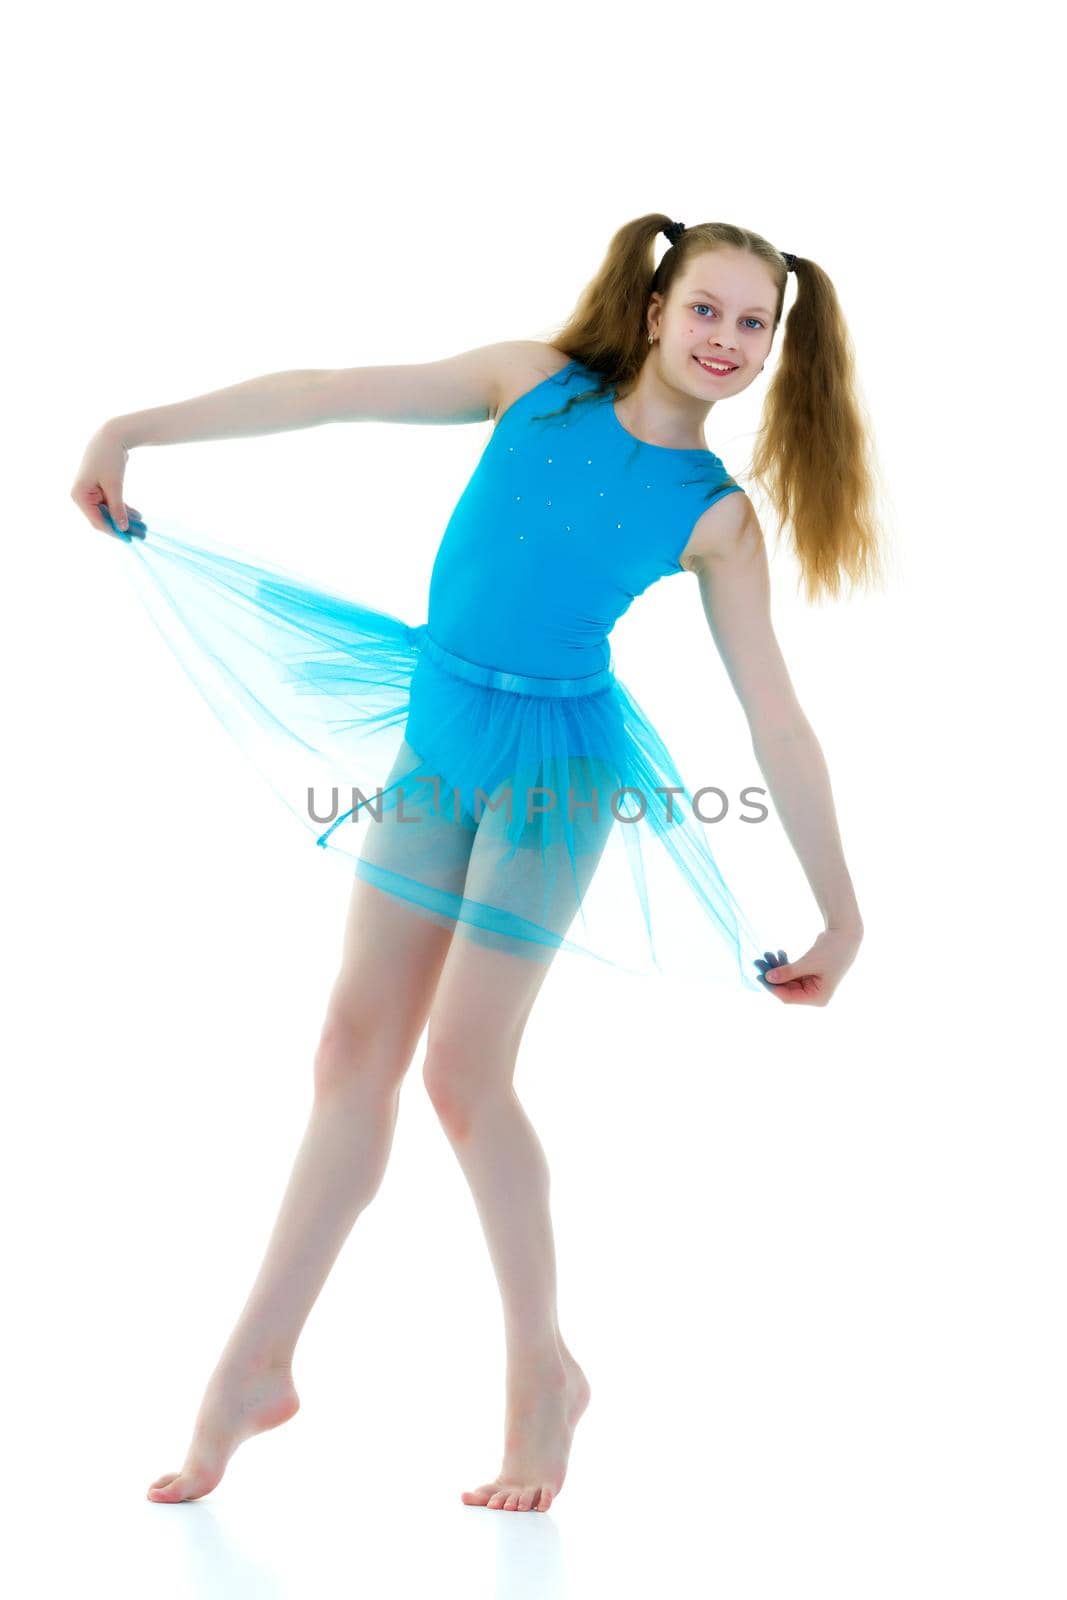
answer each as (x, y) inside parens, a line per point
(813, 977)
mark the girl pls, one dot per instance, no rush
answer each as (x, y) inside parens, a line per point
(499, 728)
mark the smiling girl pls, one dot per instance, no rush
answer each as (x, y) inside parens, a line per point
(499, 727)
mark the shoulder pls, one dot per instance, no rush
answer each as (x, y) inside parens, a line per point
(521, 364)
(724, 529)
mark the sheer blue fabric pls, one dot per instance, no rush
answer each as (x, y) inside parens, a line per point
(486, 766)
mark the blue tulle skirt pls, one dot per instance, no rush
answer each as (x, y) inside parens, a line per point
(531, 815)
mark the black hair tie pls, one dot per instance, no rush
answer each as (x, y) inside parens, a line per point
(674, 231)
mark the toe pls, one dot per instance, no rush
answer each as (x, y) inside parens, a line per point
(527, 1497)
(168, 1487)
(478, 1497)
(188, 1484)
(497, 1500)
(512, 1501)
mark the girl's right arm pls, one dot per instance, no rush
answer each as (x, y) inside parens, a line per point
(462, 388)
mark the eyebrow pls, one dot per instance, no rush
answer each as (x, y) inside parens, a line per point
(708, 295)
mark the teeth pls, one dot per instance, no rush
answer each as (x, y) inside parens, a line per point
(716, 366)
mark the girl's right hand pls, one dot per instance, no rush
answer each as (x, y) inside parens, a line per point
(99, 481)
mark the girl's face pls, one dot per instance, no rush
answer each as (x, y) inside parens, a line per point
(721, 311)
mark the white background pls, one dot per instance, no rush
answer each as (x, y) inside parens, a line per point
(811, 1260)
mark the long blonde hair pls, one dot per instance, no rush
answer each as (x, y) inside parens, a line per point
(813, 457)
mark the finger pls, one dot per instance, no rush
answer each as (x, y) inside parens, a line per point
(110, 525)
(809, 990)
(107, 500)
(791, 991)
(102, 519)
(89, 506)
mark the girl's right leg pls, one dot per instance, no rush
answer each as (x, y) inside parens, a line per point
(375, 1017)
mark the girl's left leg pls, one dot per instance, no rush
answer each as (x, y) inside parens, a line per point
(481, 1005)
(483, 1000)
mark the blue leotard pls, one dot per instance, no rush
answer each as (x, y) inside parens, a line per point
(565, 520)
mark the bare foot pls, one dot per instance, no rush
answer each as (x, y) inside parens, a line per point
(542, 1411)
(238, 1403)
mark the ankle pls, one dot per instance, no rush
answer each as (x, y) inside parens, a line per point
(568, 1359)
(254, 1360)
(536, 1360)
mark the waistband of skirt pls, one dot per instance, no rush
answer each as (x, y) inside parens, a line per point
(515, 682)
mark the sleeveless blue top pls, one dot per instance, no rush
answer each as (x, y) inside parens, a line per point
(564, 521)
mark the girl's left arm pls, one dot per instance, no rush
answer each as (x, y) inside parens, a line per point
(728, 555)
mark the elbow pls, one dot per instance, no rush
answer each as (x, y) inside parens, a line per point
(783, 725)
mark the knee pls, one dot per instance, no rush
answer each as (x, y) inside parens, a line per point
(353, 1045)
(442, 1075)
(459, 1074)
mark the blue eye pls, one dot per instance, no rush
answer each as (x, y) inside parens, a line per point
(706, 307)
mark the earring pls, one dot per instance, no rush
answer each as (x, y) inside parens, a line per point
(651, 340)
